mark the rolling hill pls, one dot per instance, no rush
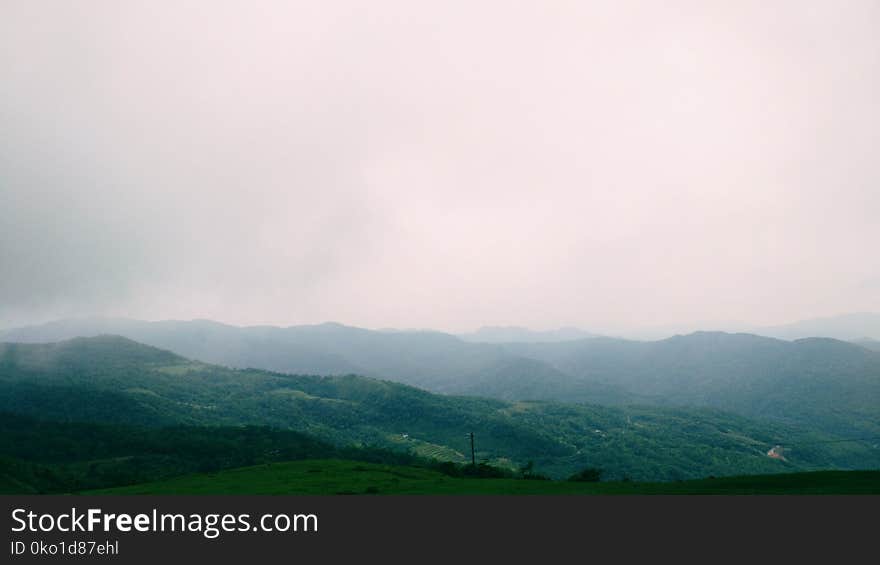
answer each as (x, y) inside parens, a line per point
(434, 361)
(817, 383)
(44, 457)
(114, 380)
(826, 384)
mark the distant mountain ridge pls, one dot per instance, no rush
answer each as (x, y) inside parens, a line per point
(435, 361)
(828, 382)
(516, 334)
(818, 382)
(844, 327)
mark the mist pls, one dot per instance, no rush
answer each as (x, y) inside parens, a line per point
(605, 165)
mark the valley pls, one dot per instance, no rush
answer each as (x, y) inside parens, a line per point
(60, 399)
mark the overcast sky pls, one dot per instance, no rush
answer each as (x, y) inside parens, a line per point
(606, 165)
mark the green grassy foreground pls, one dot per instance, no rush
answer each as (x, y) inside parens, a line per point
(351, 477)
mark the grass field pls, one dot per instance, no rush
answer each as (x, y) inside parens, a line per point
(351, 477)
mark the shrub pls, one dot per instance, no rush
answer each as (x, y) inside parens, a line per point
(588, 475)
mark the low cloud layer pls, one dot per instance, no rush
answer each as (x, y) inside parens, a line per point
(606, 165)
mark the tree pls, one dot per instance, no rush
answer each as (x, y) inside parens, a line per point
(588, 475)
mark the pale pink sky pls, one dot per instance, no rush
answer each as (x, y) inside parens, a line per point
(607, 165)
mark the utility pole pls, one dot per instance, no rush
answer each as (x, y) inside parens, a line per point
(473, 454)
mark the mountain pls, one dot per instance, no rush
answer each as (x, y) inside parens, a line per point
(824, 383)
(821, 383)
(433, 361)
(520, 377)
(113, 380)
(202, 339)
(514, 334)
(844, 327)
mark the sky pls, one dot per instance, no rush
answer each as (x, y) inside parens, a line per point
(605, 165)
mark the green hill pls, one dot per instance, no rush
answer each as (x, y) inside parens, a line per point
(347, 477)
(819, 384)
(822, 384)
(38, 456)
(113, 380)
(430, 360)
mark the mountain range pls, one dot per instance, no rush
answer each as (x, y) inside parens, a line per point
(849, 327)
(113, 380)
(820, 383)
(515, 334)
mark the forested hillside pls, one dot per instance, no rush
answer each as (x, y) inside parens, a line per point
(114, 380)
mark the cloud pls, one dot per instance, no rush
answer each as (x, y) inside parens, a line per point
(604, 165)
